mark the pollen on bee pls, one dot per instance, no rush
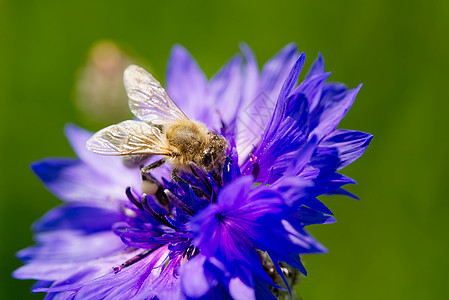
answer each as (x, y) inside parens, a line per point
(149, 188)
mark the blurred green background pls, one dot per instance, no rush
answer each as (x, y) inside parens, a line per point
(393, 244)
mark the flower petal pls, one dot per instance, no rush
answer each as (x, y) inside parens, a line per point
(259, 103)
(317, 67)
(312, 89)
(241, 291)
(187, 85)
(88, 219)
(250, 74)
(74, 181)
(109, 167)
(194, 281)
(60, 246)
(347, 145)
(225, 92)
(276, 71)
(334, 111)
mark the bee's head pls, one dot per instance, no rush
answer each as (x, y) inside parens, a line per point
(214, 154)
(207, 161)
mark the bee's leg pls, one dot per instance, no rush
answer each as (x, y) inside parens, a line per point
(154, 165)
(175, 177)
(196, 170)
(217, 174)
(151, 186)
(218, 178)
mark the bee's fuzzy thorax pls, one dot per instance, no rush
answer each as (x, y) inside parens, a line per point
(191, 141)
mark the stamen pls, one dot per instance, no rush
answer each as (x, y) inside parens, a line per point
(198, 173)
(133, 199)
(159, 189)
(176, 224)
(179, 204)
(256, 166)
(134, 259)
(191, 251)
(193, 169)
(198, 192)
(154, 214)
(187, 252)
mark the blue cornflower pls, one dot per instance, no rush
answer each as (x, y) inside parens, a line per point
(227, 237)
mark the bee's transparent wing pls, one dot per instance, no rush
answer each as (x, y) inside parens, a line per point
(128, 138)
(148, 100)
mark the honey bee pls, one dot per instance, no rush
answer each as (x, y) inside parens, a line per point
(163, 130)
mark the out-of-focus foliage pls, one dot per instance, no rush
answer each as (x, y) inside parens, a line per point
(391, 245)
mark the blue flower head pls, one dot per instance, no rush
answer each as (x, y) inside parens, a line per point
(232, 233)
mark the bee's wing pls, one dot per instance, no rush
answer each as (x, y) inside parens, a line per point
(147, 98)
(128, 138)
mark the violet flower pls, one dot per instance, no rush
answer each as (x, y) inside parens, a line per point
(237, 238)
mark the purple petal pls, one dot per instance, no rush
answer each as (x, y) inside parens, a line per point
(187, 85)
(303, 156)
(111, 168)
(286, 235)
(293, 188)
(283, 139)
(77, 138)
(60, 246)
(276, 71)
(282, 99)
(343, 192)
(312, 89)
(59, 259)
(334, 112)
(225, 229)
(194, 281)
(317, 67)
(74, 181)
(258, 104)
(250, 74)
(225, 91)
(307, 216)
(77, 217)
(232, 195)
(328, 182)
(348, 145)
(166, 286)
(240, 291)
(262, 291)
(125, 284)
(255, 109)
